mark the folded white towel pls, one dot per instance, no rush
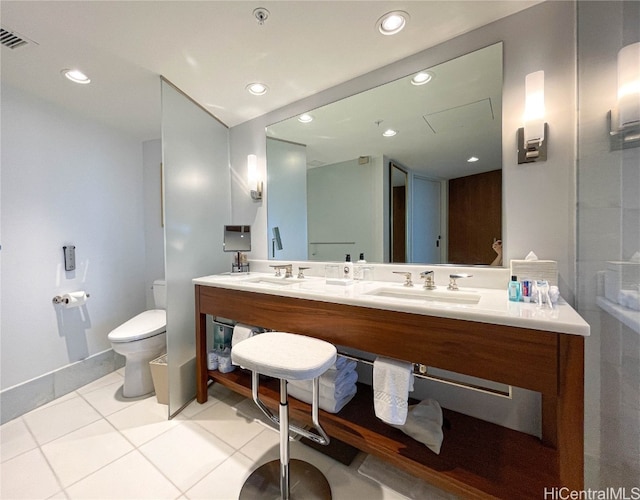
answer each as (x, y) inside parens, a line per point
(424, 424)
(331, 405)
(332, 378)
(342, 387)
(392, 381)
(343, 363)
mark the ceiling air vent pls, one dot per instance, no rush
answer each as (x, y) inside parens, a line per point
(11, 39)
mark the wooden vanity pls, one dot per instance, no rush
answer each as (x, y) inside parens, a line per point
(478, 459)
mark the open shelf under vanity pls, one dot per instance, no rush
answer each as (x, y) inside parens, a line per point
(477, 460)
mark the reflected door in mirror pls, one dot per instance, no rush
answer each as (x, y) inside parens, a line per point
(475, 217)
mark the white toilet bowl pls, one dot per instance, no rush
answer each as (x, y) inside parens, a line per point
(140, 340)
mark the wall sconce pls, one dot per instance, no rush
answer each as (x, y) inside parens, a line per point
(255, 184)
(624, 120)
(532, 138)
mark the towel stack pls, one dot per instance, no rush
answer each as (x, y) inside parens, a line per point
(337, 386)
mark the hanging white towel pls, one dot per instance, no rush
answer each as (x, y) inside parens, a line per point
(392, 381)
(242, 332)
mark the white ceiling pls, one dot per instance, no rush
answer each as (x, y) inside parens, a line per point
(213, 49)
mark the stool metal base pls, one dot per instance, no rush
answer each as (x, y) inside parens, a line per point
(307, 482)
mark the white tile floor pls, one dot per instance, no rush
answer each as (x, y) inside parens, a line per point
(92, 443)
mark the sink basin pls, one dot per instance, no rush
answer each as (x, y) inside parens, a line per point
(263, 280)
(422, 295)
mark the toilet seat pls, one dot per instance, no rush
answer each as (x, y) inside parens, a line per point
(144, 325)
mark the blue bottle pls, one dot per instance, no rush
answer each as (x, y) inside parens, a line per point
(514, 289)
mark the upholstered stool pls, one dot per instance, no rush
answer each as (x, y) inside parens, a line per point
(295, 357)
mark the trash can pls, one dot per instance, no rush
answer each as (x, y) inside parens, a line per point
(160, 379)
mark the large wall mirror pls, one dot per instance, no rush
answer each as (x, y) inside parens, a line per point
(409, 171)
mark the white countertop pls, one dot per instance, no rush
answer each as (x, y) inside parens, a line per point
(492, 305)
(628, 316)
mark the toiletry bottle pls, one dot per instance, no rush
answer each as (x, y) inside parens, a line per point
(348, 267)
(358, 267)
(514, 289)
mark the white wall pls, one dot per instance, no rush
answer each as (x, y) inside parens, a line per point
(153, 228)
(66, 180)
(542, 37)
(345, 205)
(288, 181)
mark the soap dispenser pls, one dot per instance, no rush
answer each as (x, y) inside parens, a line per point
(514, 289)
(348, 267)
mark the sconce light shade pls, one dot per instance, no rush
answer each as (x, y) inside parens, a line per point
(255, 184)
(629, 85)
(532, 138)
(625, 119)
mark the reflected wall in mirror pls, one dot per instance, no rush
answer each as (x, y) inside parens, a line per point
(437, 133)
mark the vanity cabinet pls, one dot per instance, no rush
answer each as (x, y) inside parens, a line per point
(478, 459)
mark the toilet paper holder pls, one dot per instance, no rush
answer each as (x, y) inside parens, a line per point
(66, 298)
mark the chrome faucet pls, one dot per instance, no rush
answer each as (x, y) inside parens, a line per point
(287, 267)
(452, 280)
(407, 277)
(301, 271)
(429, 284)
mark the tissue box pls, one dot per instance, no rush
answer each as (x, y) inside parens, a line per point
(620, 275)
(536, 270)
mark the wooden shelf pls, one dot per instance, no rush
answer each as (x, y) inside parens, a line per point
(477, 460)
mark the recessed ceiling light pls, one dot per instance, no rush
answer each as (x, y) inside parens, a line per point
(472, 159)
(257, 88)
(389, 132)
(392, 22)
(422, 78)
(305, 118)
(76, 76)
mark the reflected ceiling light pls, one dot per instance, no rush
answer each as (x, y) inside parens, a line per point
(257, 88)
(422, 78)
(473, 159)
(76, 76)
(392, 22)
(389, 132)
(305, 118)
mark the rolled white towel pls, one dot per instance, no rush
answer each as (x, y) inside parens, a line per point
(331, 405)
(330, 391)
(392, 381)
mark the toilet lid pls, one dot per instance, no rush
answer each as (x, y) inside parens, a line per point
(142, 326)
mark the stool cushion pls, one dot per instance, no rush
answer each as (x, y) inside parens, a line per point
(285, 355)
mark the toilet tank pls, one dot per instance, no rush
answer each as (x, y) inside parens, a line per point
(160, 294)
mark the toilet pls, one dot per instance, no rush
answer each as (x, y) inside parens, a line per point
(140, 340)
